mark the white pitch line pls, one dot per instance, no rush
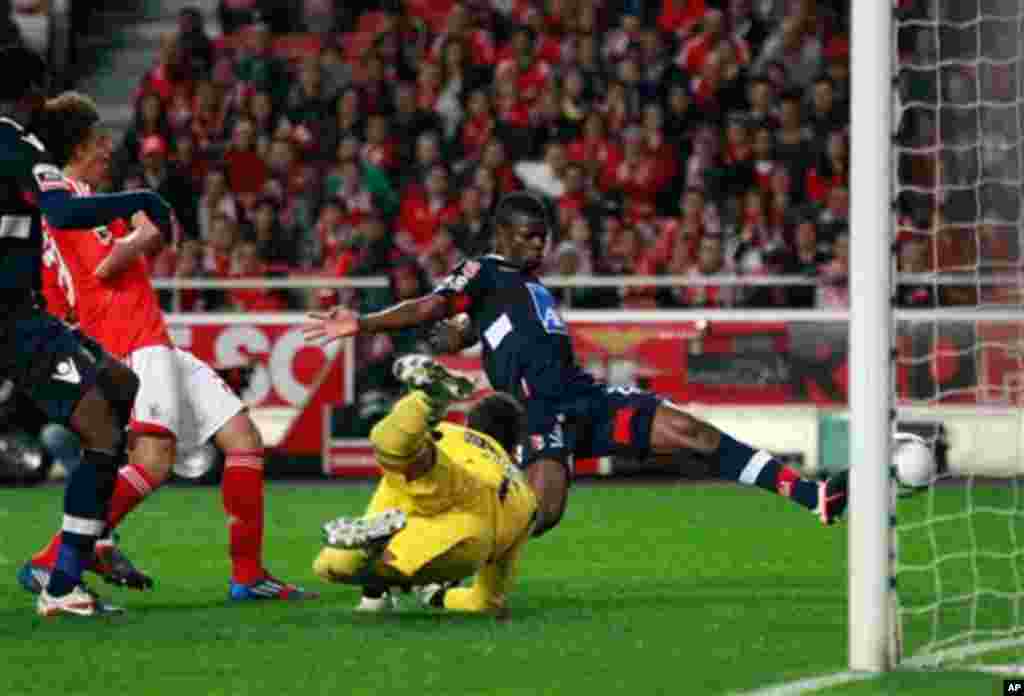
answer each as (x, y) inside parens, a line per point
(803, 686)
(1012, 670)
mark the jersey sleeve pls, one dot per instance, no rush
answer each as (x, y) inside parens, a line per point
(465, 286)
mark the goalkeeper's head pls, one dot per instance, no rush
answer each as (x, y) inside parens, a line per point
(500, 416)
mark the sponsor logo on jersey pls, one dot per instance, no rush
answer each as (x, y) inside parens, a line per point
(547, 311)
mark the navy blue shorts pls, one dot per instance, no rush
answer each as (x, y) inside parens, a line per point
(49, 362)
(601, 421)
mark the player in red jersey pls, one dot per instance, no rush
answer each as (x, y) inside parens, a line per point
(101, 281)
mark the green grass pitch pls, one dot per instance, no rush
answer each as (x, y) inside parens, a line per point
(688, 589)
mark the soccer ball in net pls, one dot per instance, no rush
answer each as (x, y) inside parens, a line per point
(913, 459)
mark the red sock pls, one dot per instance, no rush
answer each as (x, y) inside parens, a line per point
(134, 483)
(242, 492)
(787, 477)
(48, 556)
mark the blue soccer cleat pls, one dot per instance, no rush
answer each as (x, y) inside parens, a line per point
(267, 587)
(33, 578)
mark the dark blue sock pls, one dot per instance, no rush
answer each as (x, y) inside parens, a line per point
(84, 519)
(74, 553)
(742, 463)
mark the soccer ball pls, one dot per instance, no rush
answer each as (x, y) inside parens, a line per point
(913, 460)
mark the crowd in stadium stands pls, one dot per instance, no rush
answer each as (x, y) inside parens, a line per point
(686, 137)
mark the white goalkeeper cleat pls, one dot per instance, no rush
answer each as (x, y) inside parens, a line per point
(363, 532)
(434, 379)
(81, 601)
(432, 595)
(370, 605)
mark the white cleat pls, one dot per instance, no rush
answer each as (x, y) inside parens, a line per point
(370, 605)
(363, 532)
(81, 601)
(432, 595)
(423, 372)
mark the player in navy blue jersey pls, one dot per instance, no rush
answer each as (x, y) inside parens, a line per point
(59, 375)
(527, 352)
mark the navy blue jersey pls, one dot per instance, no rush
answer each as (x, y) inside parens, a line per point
(526, 346)
(25, 170)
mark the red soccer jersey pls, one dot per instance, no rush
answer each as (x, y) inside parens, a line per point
(121, 313)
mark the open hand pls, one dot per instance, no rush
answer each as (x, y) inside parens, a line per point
(331, 325)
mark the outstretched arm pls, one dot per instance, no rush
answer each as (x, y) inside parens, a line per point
(64, 210)
(341, 322)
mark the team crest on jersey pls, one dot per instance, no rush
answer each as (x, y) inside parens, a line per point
(458, 280)
(547, 311)
(48, 177)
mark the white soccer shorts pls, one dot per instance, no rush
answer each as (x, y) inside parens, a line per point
(181, 395)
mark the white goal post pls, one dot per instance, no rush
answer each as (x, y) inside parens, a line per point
(870, 564)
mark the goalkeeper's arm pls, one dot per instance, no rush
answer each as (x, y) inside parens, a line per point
(402, 441)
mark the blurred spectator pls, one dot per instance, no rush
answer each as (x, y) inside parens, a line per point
(831, 170)
(258, 67)
(471, 232)
(546, 176)
(188, 161)
(826, 115)
(696, 51)
(412, 122)
(710, 263)
(209, 116)
(276, 246)
(308, 105)
(834, 287)
(796, 48)
(346, 122)
(809, 256)
(246, 170)
(196, 46)
(217, 199)
(168, 74)
(162, 176)
(247, 262)
(424, 210)
(913, 257)
(234, 14)
(150, 119)
(223, 238)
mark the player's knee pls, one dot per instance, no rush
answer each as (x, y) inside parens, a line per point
(119, 385)
(96, 423)
(239, 434)
(674, 429)
(155, 453)
(549, 480)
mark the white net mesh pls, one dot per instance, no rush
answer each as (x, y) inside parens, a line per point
(959, 149)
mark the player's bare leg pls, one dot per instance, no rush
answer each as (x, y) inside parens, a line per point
(242, 494)
(549, 480)
(673, 430)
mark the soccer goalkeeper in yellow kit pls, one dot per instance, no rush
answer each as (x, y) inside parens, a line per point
(451, 502)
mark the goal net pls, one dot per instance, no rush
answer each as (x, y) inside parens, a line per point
(959, 366)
